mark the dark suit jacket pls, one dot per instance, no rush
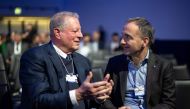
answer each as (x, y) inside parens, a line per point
(42, 77)
(160, 87)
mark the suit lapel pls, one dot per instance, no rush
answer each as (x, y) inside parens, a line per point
(123, 76)
(123, 83)
(151, 72)
(58, 65)
(78, 66)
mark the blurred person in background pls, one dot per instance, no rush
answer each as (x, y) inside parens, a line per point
(143, 80)
(3, 46)
(30, 33)
(44, 38)
(102, 39)
(95, 41)
(36, 41)
(115, 42)
(15, 48)
(85, 45)
(40, 39)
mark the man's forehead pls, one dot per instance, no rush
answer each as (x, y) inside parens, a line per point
(130, 25)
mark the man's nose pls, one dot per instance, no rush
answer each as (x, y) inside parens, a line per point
(123, 41)
(80, 34)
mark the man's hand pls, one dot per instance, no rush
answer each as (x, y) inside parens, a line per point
(109, 86)
(90, 90)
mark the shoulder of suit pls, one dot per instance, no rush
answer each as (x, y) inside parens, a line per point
(159, 58)
(79, 55)
(121, 57)
(38, 50)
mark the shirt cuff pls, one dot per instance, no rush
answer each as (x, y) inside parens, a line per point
(73, 98)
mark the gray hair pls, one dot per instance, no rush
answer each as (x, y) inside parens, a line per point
(59, 20)
(145, 27)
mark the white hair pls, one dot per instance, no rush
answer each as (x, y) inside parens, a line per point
(59, 21)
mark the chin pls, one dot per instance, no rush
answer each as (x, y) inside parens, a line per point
(126, 52)
(76, 48)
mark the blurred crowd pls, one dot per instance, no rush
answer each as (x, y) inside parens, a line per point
(11, 48)
(93, 43)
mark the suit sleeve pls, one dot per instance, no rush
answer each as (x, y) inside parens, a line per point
(168, 89)
(36, 86)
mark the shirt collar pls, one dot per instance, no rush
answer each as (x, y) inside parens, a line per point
(147, 55)
(59, 52)
(15, 43)
(144, 61)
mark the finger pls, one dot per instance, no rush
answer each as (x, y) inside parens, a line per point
(109, 90)
(102, 97)
(98, 84)
(112, 83)
(102, 92)
(110, 86)
(89, 77)
(100, 88)
(106, 78)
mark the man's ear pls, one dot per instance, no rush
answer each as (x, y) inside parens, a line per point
(146, 41)
(57, 32)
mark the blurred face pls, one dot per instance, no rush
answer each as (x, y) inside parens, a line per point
(43, 38)
(132, 41)
(115, 38)
(69, 37)
(36, 39)
(96, 36)
(17, 38)
(29, 27)
(86, 39)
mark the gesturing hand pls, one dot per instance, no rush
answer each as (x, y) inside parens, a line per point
(93, 90)
(109, 86)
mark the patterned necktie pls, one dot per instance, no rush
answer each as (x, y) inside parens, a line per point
(69, 57)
